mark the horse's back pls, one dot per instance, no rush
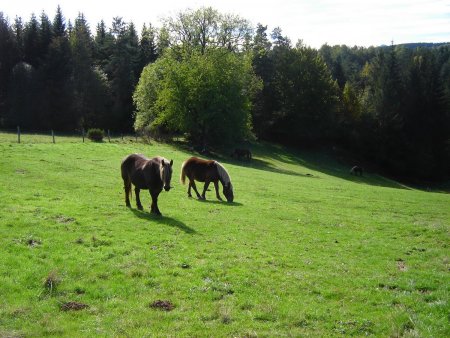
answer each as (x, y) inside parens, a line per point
(199, 169)
(132, 167)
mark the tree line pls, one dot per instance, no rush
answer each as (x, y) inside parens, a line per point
(217, 80)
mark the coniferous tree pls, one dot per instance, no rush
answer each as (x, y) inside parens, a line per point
(263, 67)
(45, 35)
(31, 42)
(56, 74)
(147, 46)
(9, 55)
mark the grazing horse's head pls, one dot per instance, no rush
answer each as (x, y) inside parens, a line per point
(228, 191)
(166, 173)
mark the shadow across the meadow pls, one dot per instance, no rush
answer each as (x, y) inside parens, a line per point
(169, 221)
(310, 164)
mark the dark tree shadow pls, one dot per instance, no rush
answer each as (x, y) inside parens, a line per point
(172, 222)
(321, 161)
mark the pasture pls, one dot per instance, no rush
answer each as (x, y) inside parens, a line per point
(305, 249)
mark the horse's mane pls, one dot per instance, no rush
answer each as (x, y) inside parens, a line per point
(223, 174)
(161, 167)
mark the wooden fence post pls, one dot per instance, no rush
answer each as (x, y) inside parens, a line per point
(53, 136)
(82, 133)
(109, 137)
(18, 134)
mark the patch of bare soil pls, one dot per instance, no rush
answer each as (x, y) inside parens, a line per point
(401, 265)
(64, 219)
(164, 305)
(75, 306)
(33, 242)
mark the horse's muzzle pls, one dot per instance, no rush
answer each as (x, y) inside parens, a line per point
(167, 188)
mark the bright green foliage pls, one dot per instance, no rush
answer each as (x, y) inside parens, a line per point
(207, 96)
(205, 28)
(305, 250)
(95, 134)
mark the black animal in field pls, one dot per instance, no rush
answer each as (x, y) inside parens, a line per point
(356, 170)
(241, 153)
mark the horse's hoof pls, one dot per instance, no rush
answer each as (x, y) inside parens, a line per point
(140, 207)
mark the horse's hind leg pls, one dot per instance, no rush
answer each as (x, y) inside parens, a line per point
(205, 188)
(127, 186)
(138, 200)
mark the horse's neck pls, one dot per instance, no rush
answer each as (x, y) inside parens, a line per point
(223, 176)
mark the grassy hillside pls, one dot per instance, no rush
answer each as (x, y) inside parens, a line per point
(305, 249)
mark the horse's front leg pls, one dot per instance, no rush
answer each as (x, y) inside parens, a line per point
(154, 208)
(216, 186)
(138, 200)
(204, 189)
(192, 184)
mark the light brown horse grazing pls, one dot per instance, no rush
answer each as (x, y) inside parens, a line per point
(152, 174)
(206, 171)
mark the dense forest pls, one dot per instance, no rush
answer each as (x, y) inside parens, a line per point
(217, 80)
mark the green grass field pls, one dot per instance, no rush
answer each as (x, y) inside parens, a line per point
(305, 249)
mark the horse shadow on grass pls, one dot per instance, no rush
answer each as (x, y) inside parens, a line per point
(227, 204)
(169, 221)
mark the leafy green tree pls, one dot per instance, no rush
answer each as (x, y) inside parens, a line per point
(206, 28)
(163, 42)
(207, 96)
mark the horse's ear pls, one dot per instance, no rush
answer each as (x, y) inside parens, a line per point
(162, 162)
(171, 162)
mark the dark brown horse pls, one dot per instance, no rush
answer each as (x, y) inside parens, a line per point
(206, 171)
(241, 153)
(152, 174)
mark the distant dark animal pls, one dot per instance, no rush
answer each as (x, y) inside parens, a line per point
(241, 153)
(356, 170)
(152, 174)
(206, 171)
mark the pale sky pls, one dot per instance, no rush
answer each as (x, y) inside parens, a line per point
(350, 22)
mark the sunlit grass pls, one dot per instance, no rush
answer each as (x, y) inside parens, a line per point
(306, 249)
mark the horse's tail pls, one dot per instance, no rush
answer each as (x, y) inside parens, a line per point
(126, 177)
(183, 174)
